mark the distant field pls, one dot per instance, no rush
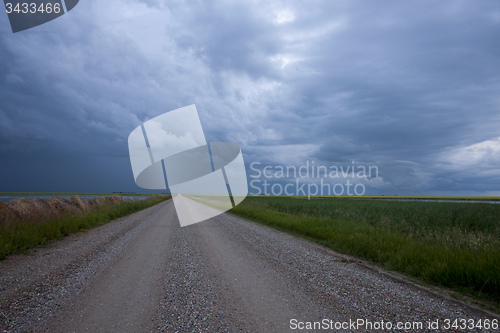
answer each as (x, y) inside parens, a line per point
(489, 198)
(447, 244)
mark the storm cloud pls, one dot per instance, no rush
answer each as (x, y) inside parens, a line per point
(412, 87)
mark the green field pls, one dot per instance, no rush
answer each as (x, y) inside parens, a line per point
(396, 197)
(18, 237)
(452, 245)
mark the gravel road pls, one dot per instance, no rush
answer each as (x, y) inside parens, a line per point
(144, 273)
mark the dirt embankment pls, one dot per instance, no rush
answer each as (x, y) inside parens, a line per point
(39, 210)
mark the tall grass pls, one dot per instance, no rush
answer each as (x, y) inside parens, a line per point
(18, 237)
(454, 245)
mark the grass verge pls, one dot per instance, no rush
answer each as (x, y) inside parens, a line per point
(21, 236)
(77, 193)
(395, 236)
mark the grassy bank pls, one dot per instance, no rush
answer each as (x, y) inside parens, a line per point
(453, 245)
(77, 193)
(17, 238)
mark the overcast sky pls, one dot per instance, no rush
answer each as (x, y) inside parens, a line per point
(412, 87)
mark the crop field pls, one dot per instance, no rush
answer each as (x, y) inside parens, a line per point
(448, 244)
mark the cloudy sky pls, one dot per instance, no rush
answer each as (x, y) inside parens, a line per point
(412, 87)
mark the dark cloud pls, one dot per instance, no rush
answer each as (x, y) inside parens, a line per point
(411, 87)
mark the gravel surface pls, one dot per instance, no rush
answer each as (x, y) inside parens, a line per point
(144, 273)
